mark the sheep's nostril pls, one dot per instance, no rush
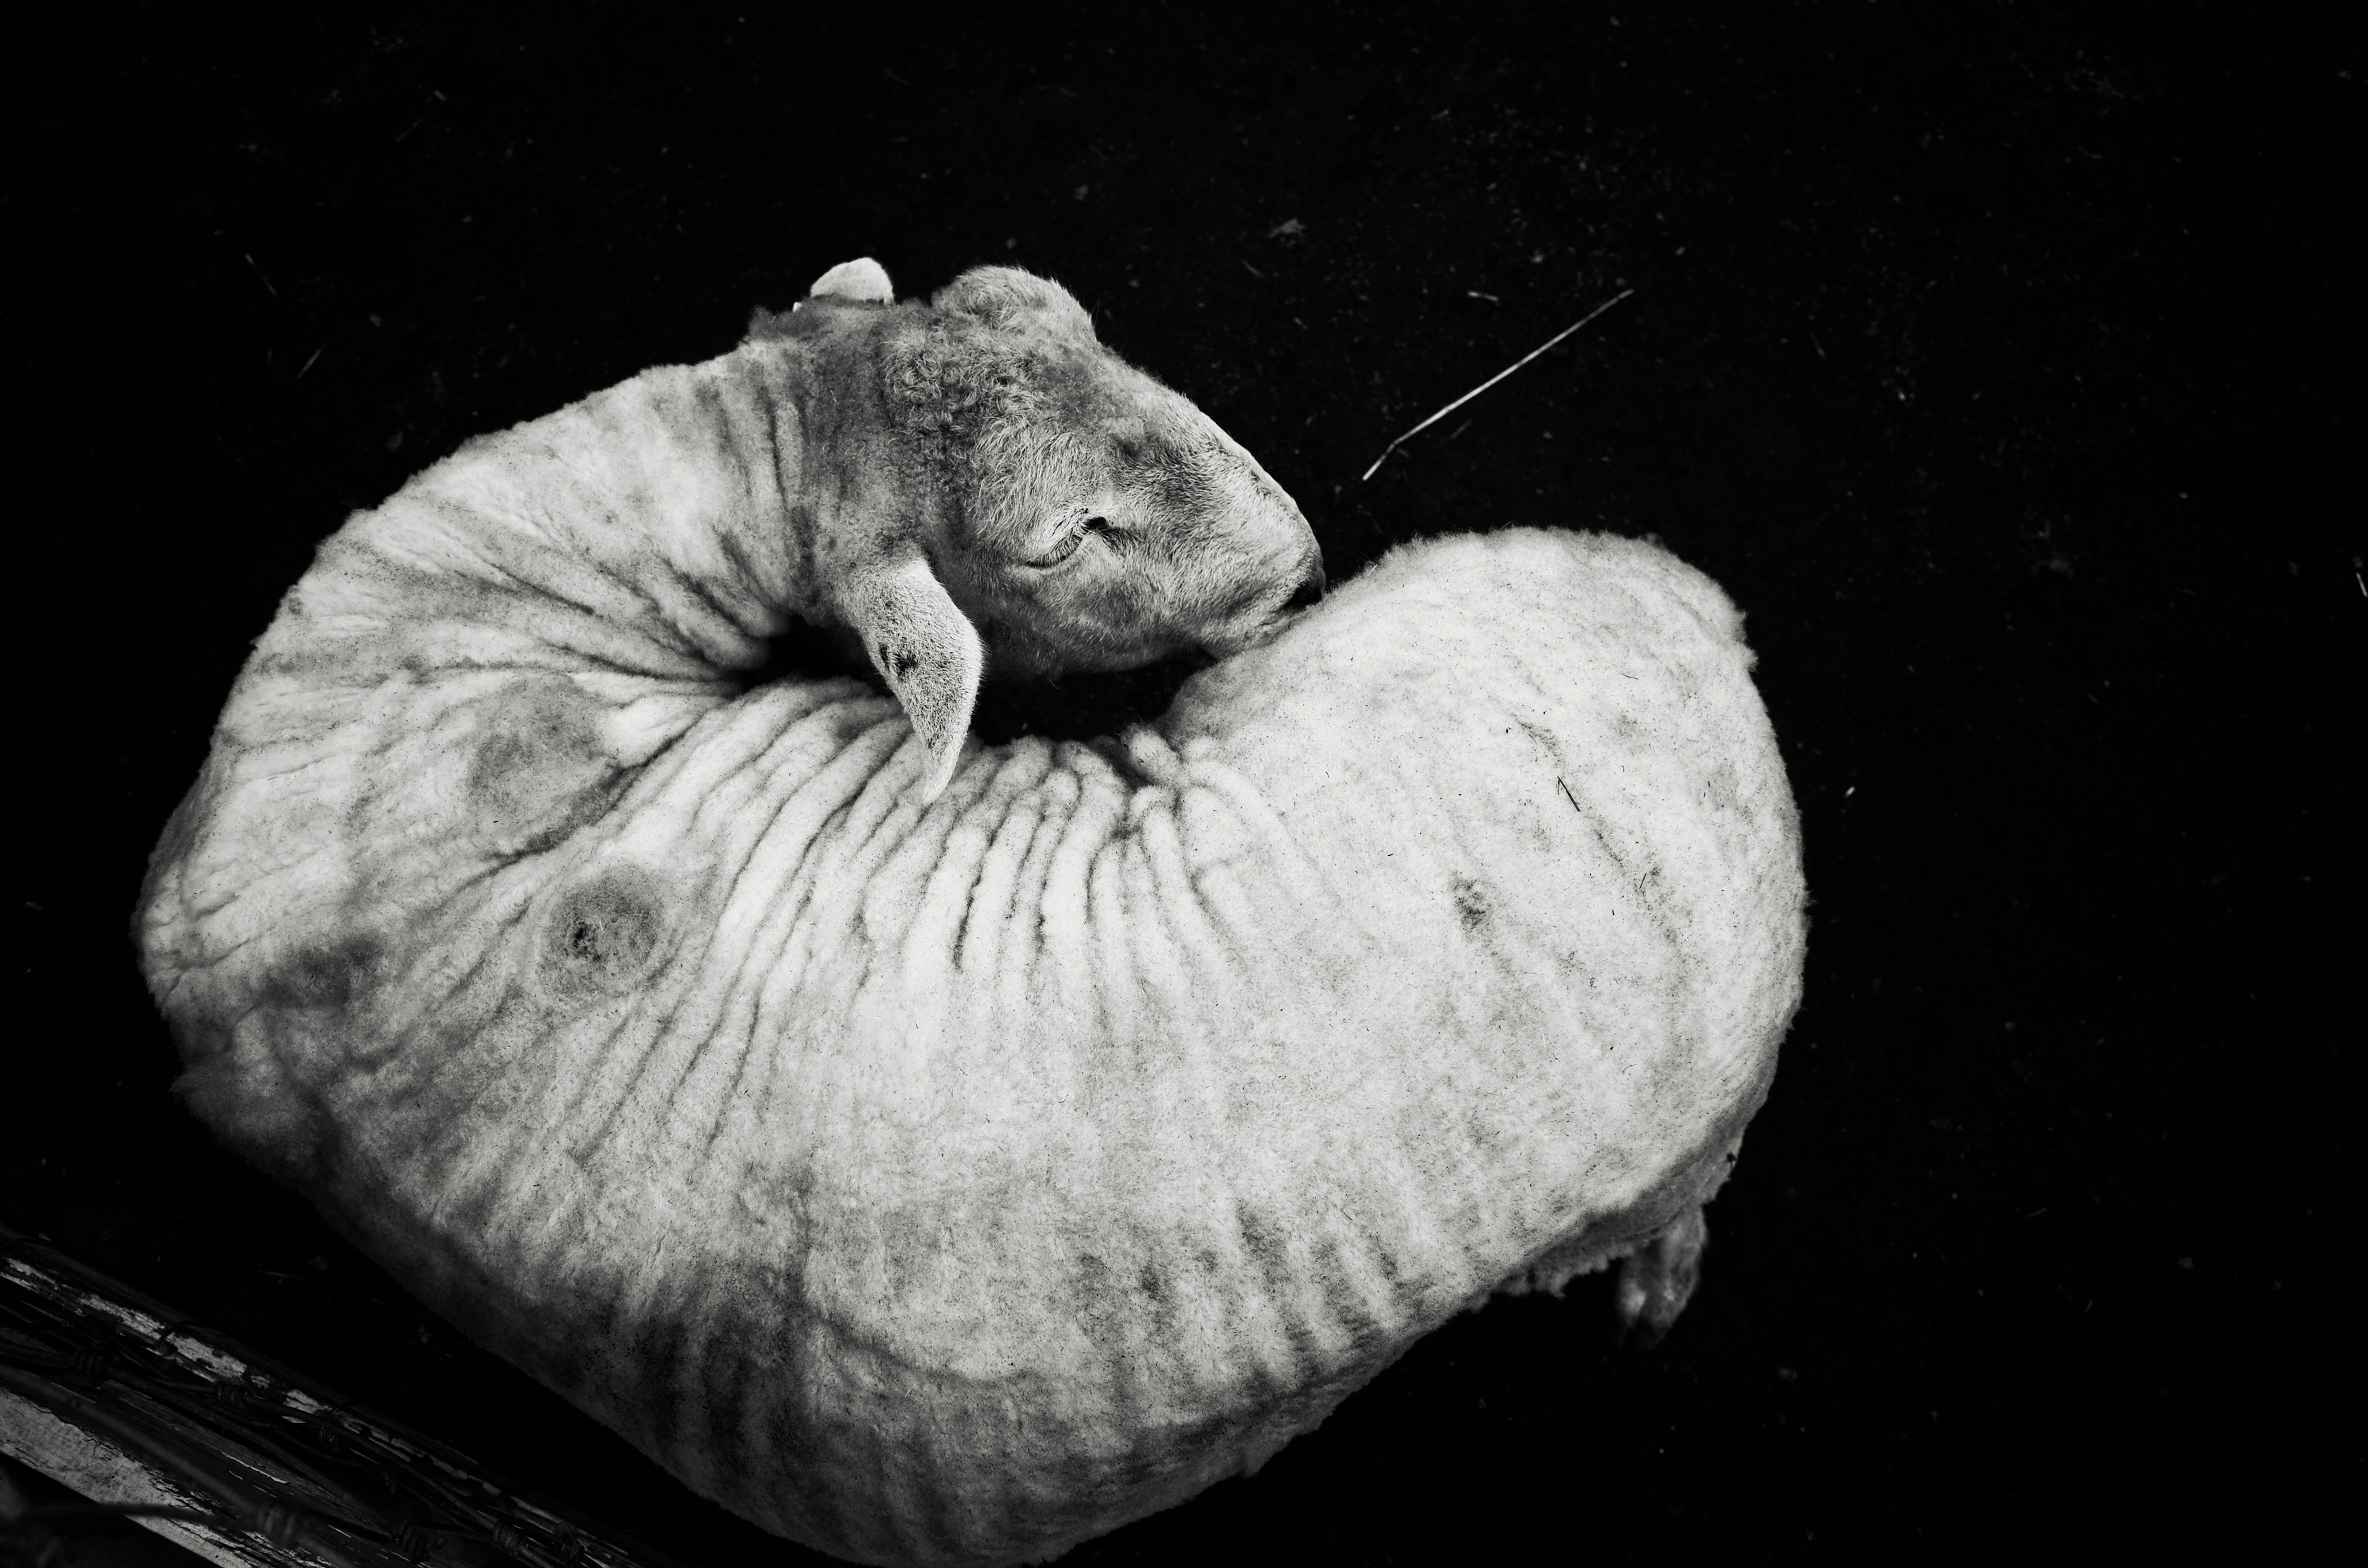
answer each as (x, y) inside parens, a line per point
(1308, 592)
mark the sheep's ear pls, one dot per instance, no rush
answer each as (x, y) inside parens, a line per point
(924, 647)
(862, 280)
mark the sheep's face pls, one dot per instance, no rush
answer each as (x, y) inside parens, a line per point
(1101, 521)
(1007, 493)
(1120, 524)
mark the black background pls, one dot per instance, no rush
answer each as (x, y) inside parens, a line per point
(1992, 358)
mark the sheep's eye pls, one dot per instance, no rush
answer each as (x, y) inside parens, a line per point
(1073, 537)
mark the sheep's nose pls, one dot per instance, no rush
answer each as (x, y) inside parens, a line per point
(1309, 591)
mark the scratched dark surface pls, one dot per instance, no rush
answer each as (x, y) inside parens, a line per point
(1987, 361)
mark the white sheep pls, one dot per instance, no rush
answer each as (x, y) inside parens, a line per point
(951, 1181)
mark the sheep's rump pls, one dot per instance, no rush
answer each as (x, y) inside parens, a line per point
(950, 1186)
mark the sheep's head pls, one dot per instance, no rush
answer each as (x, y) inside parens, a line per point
(1034, 504)
(1106, 522)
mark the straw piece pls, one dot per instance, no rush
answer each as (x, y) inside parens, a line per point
(1492, 380)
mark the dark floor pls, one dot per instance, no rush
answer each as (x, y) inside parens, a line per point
(80, 1539)
(1987, 360)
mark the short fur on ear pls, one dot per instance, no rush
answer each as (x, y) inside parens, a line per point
(862, 280)
(924, 647)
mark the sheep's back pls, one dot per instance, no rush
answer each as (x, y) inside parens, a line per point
(948, 1184)
(1532, 768)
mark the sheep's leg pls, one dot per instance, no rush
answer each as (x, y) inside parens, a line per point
(1657, 1281)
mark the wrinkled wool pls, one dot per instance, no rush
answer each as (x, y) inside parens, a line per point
(952, 1183)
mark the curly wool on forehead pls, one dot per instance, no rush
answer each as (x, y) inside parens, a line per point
(1008, 300)
(995, 349)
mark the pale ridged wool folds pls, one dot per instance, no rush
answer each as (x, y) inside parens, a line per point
(949, 1185)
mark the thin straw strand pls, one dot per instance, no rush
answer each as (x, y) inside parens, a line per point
(1492, 380)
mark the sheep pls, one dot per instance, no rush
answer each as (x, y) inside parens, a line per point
(974, 485)
(950, 1180)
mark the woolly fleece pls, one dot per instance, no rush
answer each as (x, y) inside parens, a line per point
(951, 1184)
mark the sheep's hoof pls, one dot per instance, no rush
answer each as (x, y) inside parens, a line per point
(1657, 1279)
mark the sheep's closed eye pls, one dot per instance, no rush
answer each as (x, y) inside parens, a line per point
(1074, 535)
